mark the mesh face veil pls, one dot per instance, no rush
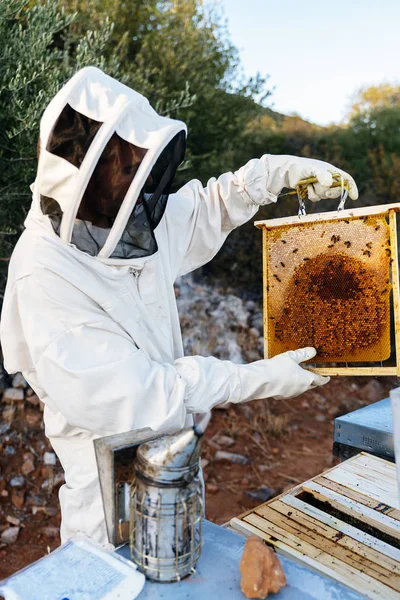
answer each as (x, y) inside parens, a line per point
(106, 166)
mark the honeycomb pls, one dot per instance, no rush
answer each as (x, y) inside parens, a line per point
(328, 286)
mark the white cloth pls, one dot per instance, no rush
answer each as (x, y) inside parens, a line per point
(101, 344)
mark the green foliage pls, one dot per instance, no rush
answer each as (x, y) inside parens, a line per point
(368, 147)
(178, 53)
(369, 99)
(37, 54)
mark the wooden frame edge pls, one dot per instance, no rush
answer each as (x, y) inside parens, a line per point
(391, 210)
(395, 285)
(356, 371)
(265, 295)
(330, 216)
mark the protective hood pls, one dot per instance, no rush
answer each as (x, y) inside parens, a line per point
(106, 164)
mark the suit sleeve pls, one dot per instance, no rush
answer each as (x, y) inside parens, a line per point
(90, 370)
(100, 381)
(200, 219)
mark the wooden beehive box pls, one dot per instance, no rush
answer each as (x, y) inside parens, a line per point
(344, 523)
(330, 281)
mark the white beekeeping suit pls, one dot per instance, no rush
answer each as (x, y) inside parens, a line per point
(89, 313)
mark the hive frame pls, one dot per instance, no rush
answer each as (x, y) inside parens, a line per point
(390, 210)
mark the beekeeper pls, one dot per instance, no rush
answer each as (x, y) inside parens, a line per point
(89, 314)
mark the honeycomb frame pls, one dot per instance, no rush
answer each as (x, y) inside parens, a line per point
(283, 333)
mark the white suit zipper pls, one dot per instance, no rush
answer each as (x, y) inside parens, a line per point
(135, 274)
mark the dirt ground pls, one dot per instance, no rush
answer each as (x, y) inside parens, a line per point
(284, 442)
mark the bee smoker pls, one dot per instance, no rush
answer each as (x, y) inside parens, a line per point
(167, 506)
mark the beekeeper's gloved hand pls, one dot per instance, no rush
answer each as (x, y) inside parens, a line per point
(286, 171)
(278, 377)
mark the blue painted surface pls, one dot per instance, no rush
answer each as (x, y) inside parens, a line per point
(218, 576)
(368, 429)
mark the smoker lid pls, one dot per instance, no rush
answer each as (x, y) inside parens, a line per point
(175, 451)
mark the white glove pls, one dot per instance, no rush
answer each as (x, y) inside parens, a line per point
(286, 171)
(278, 377)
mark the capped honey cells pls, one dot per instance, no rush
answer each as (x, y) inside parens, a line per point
(343, 308)
(328, 286)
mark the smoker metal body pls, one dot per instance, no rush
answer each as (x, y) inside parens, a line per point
(368, 429)
(167, 507)
(115, 456)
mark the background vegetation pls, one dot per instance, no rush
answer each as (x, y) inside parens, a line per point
(178, 53)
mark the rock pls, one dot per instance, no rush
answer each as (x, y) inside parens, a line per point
(214, 323)
(8, 414)
(33, 399)
(221, 440)
(254, 355)
(234, 351)
(10, 535)
(10, 450)
(373, 391)
(4, 493)
(28, 456)
(50, 511)
(33, 418)
(45, 471)
(237, 459)
(253, 331)
(258, 322)
(38, 509)
(263, 494)
(320, 398)
(59, 479)
(247, 411)
(225, 441)
(27, 467)
(250, 305)
(261, 570)
(49, 458)
(4, 427)
(264, 468)
(13, 520)
(18, 498)
(19, 382)
(320, 418)
(231, 309)
(212, 488)
(204, 463)
(34, 500)
(13, 395)
(17, 481)
(51, 532)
